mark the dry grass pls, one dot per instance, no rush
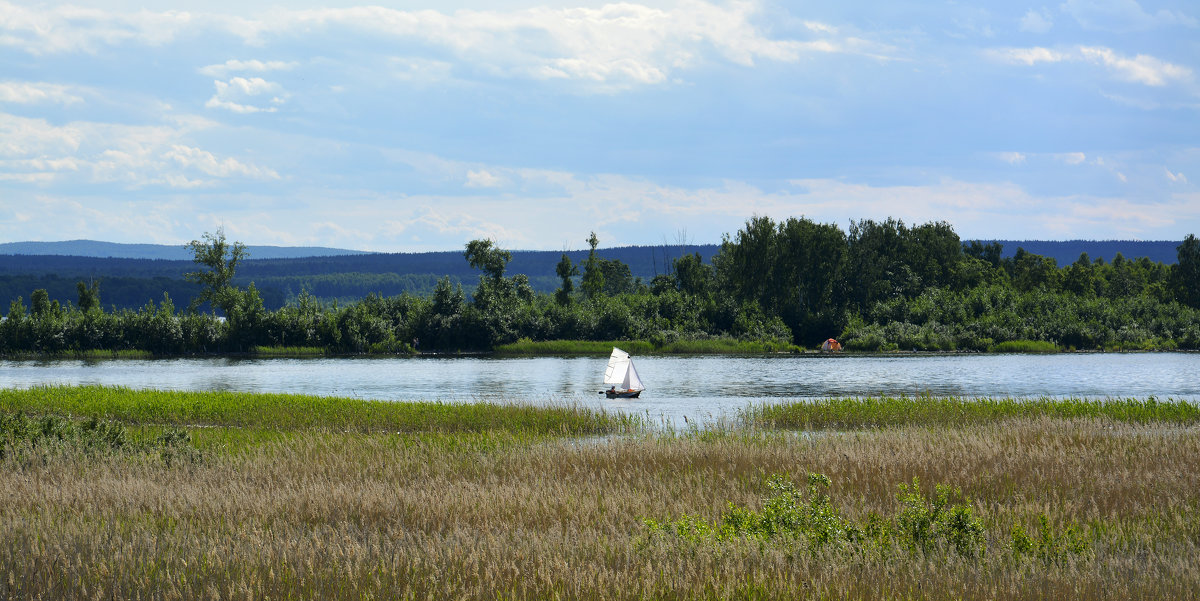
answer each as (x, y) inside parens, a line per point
(481, 516)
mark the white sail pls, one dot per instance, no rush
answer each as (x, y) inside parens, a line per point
(621, 373)
(618, 366)
(632, 381)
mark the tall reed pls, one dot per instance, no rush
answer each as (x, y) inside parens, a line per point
(336, 515)
(869, 412)
(294, 411)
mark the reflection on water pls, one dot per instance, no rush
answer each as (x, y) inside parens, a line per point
(704, 388)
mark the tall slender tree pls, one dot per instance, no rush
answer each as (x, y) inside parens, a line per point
(220, 260)
(565, 270)
(1186, 274)
(593, 276)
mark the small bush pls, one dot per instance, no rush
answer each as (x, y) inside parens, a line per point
(789, 516)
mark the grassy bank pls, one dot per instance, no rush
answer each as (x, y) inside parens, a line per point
(289, 351)
(298, 412)
(885, 411)
(1077, 508)
(1101, 505)
(715, 346)
(1024, 346)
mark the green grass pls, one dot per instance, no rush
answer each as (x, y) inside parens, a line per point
(869, 412)
(1024, 346)
(526, 346)
(644, 347)
(88, 354)
(289, 351)
(305, 412)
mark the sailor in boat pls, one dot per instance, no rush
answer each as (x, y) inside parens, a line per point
(621, 372)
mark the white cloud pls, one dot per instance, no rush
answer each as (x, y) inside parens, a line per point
(36, 151)
(613, 46)
(1027, 56)
(76, 29)
(1178, 178)
(1122, 15)
(820, 27)
(208, 163)
(483, 179)
(1012, 158)
(1037, 21)
(1143, 69)
(253, 66)
(1072, 158)
(28, 92)
(239, 93)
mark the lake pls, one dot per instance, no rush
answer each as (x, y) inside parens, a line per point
(696, 387)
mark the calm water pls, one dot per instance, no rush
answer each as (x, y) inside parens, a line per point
(701, 388)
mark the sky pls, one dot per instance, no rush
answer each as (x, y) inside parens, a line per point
(416, 126)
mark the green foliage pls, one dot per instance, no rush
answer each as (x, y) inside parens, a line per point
(89, 296)
(219, 260)
(928, 526)
(487, 257)
(41, 303)
(1023, 346)
(593, 276)
(884, 286)
(45, 436)
(886, 411)
(1185, 275)
(617, 277)
(565, 270)
(1050, 545)
(306, 412)
(793, 270)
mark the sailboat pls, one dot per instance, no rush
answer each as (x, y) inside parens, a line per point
(621, 377)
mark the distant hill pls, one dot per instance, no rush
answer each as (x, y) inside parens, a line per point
(1066, 252)
(643, 261)
(170, 252)
(131, 282)
(346, 276)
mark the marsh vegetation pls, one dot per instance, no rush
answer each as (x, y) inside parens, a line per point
(1036, 504)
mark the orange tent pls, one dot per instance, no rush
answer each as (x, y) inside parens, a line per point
(831, 345)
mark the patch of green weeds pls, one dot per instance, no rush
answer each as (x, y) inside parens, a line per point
(26, 436)
(939, 524)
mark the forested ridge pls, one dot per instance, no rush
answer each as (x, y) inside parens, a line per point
(880, 285)
(130, 282)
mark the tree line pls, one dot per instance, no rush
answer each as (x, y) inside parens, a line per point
(880, 285)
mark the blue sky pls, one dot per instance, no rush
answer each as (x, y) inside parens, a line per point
(415, 126)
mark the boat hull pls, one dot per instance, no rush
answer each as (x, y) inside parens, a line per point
(628, 394)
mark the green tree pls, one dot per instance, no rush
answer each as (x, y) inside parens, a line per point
(1080, 277)
(692, 275)
(496, 305)
(793, 270)
(878, 264)
(593, 277)
(220, 260)
(565, 270)
(933, 251)
(40, 299)
(1030, 271)
(487, 257)
(618, 279)
(1186, 272)
(89, 296)
(990, 252)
